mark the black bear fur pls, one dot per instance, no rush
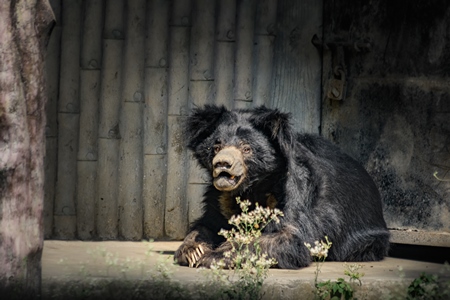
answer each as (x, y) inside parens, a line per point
(320, 190)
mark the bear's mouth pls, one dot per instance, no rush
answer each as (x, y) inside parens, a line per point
(228, 169)
(226, 181)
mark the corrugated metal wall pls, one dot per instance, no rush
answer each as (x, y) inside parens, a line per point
(395, 118)
(122, 78)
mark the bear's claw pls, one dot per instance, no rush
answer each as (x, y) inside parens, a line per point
(190, 254)
(194, 257)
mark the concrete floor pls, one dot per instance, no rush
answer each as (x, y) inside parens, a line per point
(66, 264)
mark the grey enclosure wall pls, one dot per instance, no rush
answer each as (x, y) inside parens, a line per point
(395, 118)
(123, 76)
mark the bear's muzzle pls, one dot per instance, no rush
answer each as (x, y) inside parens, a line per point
(228, 169)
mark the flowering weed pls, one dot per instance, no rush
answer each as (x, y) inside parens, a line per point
(339, 289)
(249, 262)
(319, 253)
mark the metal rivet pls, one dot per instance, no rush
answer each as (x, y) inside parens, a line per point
(137, 96)
(117, 33)
(70, 107)
(90, 156)
(66, 210)
(93, 63)
(230, 34)
(162, 62)
(184, 111)
(270, 29)
(160, 150)
(112, 133)
(207, 75)
(205, 177)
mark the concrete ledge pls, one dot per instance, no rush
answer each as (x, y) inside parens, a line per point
(420, 237)
(127, 270)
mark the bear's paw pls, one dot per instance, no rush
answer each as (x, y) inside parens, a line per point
(190, 253)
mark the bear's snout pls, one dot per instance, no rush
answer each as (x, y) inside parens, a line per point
(228, 169)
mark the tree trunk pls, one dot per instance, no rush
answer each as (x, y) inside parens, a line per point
(25, 26)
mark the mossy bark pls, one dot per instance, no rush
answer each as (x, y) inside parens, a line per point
(24, 30)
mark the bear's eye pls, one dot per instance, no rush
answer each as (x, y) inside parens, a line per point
(246, 149)
(217, 148)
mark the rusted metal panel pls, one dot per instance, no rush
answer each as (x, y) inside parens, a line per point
(155, 119)
(70, 57)
(105, 200)
(109, 105)
(243, 70)
(51, 154)
(201, 86)
(114, 20)
(153, 195)
(176, 223)
(91, 50)
(68, 119)
(200, 93)
(155, 111)
(195, 195)
(89, 98)
(264, 45)
(140, 67)
(394, 118)
(178, 70)
(51, 129)
(157, 34)
(87, 153)
(86, 186)
(297, 63)
(178, 107)
(130, 172)
(224, 52)
(202, 40)
(66, 170)
(266, 18)
(224, 73)
(65, 227)
(131, 123)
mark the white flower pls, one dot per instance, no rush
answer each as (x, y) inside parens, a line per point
(320, 250)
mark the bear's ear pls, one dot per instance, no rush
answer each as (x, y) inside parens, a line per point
(202, 123)
(275, 124)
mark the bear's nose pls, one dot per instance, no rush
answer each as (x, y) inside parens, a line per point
(224, 159)
(229, 160)
(223, 165)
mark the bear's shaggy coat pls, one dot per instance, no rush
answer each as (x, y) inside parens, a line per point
(254, 154)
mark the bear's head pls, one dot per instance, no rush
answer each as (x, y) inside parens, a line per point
(240, 148)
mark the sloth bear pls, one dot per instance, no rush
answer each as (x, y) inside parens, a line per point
(255, 155)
